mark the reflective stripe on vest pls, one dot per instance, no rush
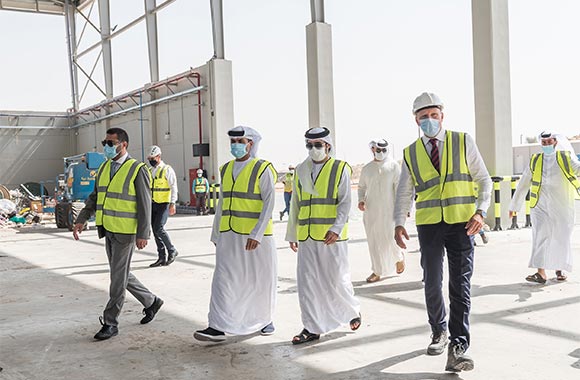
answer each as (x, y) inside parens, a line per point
(241, 198)
(160, 189)
(317, 213)
(536, 166)
(447, 196)
(117, 198)
(200, 186)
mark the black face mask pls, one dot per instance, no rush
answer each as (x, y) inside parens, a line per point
(153, 163)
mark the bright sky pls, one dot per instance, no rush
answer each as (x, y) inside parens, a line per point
(385, 54)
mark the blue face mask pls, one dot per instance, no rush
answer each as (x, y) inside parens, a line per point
(548, 149)
(238, 150)
(430, 127)
(110, 151)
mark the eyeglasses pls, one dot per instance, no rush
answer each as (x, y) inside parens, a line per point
(110, 143)
(379, 150)
(317, 145)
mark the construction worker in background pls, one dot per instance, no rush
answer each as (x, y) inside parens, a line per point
(200, 187)
(288, 182)
(164, 196)
(121, 203)
(440, 168)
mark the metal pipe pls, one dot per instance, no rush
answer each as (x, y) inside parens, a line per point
(199, 119)
(134, 108)
(136, 92)
(24, 115)
(30, 127)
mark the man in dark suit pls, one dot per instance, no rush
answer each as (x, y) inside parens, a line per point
(121, 203)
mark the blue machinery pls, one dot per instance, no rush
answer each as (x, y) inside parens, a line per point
(74, 186)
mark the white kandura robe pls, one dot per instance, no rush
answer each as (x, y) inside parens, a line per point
(377, 188)
(243, 290)
(553, 216)
(325, 289)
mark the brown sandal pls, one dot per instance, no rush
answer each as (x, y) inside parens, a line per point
(400, 266)
(560, 276)
(355, 323)
(536, 277)
(373, 278)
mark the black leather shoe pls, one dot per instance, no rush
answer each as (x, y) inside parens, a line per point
(171, 257)
(106, 332)
(457, 360)
(151, 310)
(158, 263)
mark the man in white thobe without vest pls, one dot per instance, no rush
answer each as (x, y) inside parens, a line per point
(377, 187)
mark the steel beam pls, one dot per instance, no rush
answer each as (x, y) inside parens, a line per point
(152, 41)
(217, 25)
(317, 10)
(71, 39)
(105, 23)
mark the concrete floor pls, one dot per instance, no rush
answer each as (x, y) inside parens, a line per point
(52, 290)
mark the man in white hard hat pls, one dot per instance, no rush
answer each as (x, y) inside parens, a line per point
(553, 176)
(440, 169)
(164, 196)
(243, 288)
(200, 187)
(377, 186)
(318, 231)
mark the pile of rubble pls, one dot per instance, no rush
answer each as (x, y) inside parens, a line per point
(19, 207)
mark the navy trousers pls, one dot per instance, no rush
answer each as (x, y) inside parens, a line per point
(159, 214)
(435, 239)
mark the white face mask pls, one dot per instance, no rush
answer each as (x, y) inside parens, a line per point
(317, 154)
(380, 156)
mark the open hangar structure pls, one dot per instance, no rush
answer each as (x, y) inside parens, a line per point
(196, 105)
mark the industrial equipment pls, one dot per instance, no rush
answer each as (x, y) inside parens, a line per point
(74, 186)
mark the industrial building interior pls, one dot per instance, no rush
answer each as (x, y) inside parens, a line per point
(52, 288)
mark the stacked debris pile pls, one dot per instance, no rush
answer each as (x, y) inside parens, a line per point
(19, 207)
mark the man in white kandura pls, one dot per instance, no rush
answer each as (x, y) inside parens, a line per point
(318, 219)
(377, 187)
(243, 290)
(553, 176)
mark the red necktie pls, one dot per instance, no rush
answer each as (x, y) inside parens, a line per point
(434, 154)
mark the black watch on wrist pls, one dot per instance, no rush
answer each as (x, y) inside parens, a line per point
(482, 213)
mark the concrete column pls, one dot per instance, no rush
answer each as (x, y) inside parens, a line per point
(320, 82)
(221, 102)
(491, 68)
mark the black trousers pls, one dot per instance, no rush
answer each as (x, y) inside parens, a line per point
(435, 239)
(159, 214)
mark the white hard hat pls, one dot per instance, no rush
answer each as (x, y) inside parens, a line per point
(154, 151)
(426, 100)
(199, 171)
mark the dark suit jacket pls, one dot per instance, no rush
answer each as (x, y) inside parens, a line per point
(143, 190)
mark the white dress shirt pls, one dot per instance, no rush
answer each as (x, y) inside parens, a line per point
(479, 174)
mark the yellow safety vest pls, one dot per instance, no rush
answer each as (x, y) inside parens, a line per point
(447, 196)
(242, 201)
(317, 213)
(536, 165)
(200, 185)
(160, 189)
(288, 182)
(117, 198)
